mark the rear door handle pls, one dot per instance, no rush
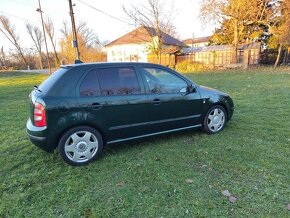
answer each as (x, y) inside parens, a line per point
(156, 101)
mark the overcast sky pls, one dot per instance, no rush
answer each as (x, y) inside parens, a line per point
(186, 20)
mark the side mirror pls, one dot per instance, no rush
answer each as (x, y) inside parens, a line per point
(190, 88)
(187, 90)
(183, 91)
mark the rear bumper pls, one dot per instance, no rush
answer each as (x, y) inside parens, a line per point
(37, 136)
(40, 142)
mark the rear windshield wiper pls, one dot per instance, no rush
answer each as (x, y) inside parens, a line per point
(37, 89)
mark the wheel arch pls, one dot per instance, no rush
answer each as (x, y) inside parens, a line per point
(102, 133)
(221, 103)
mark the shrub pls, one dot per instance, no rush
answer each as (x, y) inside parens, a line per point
(189, 67)
(6, 68)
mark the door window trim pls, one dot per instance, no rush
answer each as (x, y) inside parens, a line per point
(138, 77)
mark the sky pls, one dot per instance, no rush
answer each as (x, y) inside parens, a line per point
(108, 29)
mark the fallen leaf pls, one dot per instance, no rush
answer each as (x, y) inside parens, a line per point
(120, 183)
(157, 158)
(226, 193)
(189, 181)
(233, 199)
(288, 206)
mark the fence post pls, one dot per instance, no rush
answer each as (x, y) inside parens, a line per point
(246, 59)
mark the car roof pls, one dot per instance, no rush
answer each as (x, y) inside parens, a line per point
(109, 64)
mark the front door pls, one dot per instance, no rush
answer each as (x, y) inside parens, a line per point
(170, 107)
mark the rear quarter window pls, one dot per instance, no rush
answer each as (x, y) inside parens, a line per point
(51, 80)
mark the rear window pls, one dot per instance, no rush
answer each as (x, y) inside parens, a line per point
(50, 81)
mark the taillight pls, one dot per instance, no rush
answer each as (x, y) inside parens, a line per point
(39, 115)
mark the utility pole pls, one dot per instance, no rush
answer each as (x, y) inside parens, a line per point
(75, 39)
(47, 55)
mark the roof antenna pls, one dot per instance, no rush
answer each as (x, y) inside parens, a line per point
(78, 62)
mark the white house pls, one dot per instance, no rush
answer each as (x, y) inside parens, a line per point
(135, 46)
(197, 42)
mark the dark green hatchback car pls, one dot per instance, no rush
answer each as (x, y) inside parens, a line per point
(82, 107)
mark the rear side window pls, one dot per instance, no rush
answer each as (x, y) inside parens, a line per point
(118, 81)
(90, 85)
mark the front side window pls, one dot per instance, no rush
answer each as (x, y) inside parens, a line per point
(162, 81)
(90, 85)
(118, 81)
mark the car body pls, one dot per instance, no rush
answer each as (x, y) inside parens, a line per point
(82, 107)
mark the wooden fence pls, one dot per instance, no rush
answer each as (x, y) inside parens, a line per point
(213, 56)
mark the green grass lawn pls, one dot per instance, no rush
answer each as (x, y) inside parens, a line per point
(250, 158)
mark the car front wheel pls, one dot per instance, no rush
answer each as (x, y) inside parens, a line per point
(80, 145)
(215, 119)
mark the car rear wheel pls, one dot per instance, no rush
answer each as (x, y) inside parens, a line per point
(80, 145)
(215, 119)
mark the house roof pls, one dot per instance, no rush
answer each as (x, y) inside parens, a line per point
(254, 45)
(143, 35)
(197, 40)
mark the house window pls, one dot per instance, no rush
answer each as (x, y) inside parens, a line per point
(119, 55)
(113, 55)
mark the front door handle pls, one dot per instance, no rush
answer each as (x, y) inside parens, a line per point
(96, 106)
(156, 101)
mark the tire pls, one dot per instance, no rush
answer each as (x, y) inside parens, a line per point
(215, 119)
(80, 145)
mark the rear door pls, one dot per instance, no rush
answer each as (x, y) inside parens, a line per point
(169, 107)
(117, 99)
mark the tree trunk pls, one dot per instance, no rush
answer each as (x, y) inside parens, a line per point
(3, 56)
(285, 57)
(23, 57)
(278, 56)
(40, 60)
(55, 53)
(235, 43)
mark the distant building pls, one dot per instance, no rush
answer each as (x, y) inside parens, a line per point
(197, 42)
(135, 46)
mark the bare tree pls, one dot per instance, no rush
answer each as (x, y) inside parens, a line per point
(49, 28)
(37, 38)
(2, 57)
(154, 14)
(10, 33)
(89, 36)
(65, 30)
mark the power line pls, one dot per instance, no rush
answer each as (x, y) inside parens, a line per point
(26, 3)
(105, 13)
(21, 18)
